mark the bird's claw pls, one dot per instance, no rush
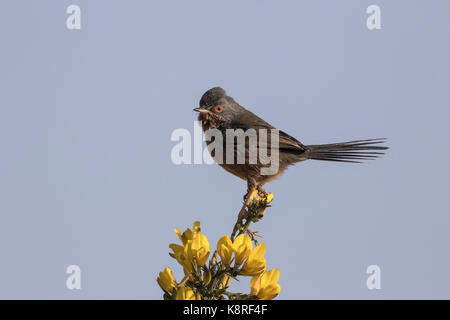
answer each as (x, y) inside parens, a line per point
(262, 191)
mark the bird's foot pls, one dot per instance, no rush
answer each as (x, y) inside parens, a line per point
(261, 191)
(250, 194)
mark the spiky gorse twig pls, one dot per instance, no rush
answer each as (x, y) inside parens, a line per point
(234, 257)
(254, 212)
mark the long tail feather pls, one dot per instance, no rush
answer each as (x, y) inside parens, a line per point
(351, 151)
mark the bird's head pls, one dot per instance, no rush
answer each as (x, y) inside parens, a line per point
(216, 108)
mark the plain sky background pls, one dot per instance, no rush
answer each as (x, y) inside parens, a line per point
(86, 117)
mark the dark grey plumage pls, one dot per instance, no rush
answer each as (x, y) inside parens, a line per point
(234, 116)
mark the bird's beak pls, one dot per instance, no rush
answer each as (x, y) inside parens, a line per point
(201, 110)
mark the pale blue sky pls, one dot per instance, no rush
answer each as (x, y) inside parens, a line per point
(86, 118)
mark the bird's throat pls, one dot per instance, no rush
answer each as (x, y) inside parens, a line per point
(209, 120)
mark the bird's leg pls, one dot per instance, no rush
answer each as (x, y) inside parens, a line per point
(251, 188)
(261, 190)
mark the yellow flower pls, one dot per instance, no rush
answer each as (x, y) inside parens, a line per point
(265, 286)
(195, 248)
(225, 249)
(183, 256)
(186, 293)
(242, 246)
(267, 197)
(198, 248)
(187, 234)
(166, 280)
(255, 263)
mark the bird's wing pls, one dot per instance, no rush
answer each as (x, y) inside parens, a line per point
(290, 144)
(249, 120)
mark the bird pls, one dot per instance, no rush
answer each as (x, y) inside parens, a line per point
(220, 112)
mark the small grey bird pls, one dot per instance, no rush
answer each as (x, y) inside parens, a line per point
(219, 111)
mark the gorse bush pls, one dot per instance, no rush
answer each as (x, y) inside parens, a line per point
(233, 258)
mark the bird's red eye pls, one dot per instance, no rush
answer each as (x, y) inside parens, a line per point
(218, 109)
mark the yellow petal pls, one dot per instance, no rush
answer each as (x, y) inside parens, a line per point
(166, 280)
(225, 249)
(188, 257)
(269, 288)
(242, 246)
(196, 227)
(183, 256)
(187, 235)
(259, 251)
(255, 263)
(186, 293)
(269, 292)
(270, 277)
(200, 249)
(178, 233)
(177, 251)
(255, 285)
